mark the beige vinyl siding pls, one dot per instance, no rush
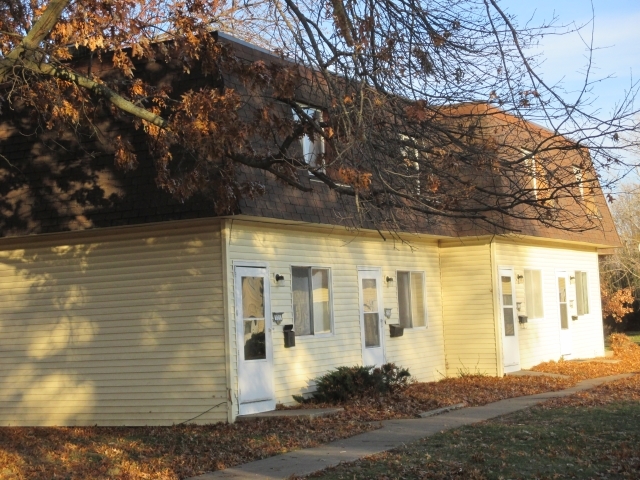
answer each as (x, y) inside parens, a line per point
(113, 327)
(279, 247)
(468, 310)
(540, 338)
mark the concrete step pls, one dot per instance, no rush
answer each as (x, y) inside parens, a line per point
(530, 373)
(307, 413)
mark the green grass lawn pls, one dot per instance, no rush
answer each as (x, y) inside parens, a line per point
(633, 336)
(570, 442)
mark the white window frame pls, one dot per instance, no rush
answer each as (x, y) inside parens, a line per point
(424, 296)
(330, 333)
(541, 292)
(531, 165)
(410, 155)
(579, 174)
(305, 141)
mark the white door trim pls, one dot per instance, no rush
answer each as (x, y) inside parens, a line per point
(510, 343)
(372, 355)
(566, 343)
(249, 263)
(256, 392)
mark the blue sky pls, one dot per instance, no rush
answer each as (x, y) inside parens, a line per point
(616, 38)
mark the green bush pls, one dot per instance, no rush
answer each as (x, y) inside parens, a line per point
(343, 383)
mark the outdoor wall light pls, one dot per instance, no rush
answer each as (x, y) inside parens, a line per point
(519, 278)
(279, 277)
(572, 280)
(519, 305)
(277, 317)
(388, 279)
(387, 312)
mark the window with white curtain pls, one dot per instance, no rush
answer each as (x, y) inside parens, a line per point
(582, 293)
(311, 300)
(533, 293)
(312, 147)
(411, 299)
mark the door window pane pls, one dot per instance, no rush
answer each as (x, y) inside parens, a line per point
(562, 299)
(371, 330)
(509, 328)
(369, 295)
(253, 297)
(254, 340)
(507, 292)
(564, 317)
(562, 289)
(370, 311)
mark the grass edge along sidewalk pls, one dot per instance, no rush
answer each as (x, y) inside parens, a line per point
(591, 434)
(393, 433)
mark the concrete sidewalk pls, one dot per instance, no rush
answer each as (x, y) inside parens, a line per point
(393, 433)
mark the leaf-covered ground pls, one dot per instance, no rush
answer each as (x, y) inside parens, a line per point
(591, 435)
(170, 453)
(626, 390)
(625, 351)
(159, 453)
(471, 389)
(165, 453)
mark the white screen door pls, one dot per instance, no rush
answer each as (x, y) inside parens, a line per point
(253, 328)
(509, 317)
(563, 307)
(371, 317)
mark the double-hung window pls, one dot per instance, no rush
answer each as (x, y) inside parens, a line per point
(411, 302)
(540, 185)
(312, 146)
(582, 293)
(411, 156)
(311, 300)
(533, 293)
(587, 194)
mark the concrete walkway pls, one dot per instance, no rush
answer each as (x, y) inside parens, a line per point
(393, 433)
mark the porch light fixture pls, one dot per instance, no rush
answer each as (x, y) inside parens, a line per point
(388, 279)
(519, 279)
(572, 280)
(277, 317)
(279, 277)
(387, 312)
(519, 305)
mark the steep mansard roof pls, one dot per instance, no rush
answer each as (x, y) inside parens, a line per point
(53, 182)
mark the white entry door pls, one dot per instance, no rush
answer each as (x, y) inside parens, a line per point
(253, 328)
(508, 314)
(371, 317)
(563, 306)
